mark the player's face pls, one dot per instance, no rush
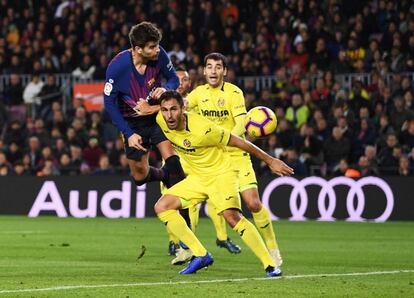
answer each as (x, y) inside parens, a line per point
(150, 51)
(173, 114)
(214, 72)
(184, 82)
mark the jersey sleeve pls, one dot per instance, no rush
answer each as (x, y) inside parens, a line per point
(238, 109)
(168, 71)
(111, 92)
(238, 105)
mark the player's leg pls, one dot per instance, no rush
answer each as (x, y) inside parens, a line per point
(219, 223)
(173, 170)
(194, 213)
(252, 239)
(141, 171)
(227, 202)
(263, 222)
(250, 195)
(166, 209)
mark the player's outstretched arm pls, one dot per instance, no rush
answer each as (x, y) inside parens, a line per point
(276, 165)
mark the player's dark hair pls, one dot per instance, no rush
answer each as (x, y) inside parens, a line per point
(172, 94)
(216, 57)
(142, 33)
(180, 68)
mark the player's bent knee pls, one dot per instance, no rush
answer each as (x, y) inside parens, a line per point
(232, 216)
(254, 206)
(167, 202)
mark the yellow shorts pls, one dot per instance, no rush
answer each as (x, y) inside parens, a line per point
(221, 190)
(247, 177)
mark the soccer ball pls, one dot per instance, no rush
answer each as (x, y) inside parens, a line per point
(260, 122)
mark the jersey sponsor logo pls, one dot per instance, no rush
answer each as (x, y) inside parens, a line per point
(108, 88)
(186, 143)
(220, 102)
(205, 100)
(183, 150)
(215, 113)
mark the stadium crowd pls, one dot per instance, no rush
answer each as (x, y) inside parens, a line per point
(323, 128)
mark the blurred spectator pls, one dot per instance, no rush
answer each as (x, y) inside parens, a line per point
(92, 154)
(31, 92)
(85, 70)
(404, 166)
(297, 113)
(387, 157)
(336, 147)
(104, 167)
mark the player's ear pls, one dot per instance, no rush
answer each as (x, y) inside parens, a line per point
(225, 71)
(204, 71)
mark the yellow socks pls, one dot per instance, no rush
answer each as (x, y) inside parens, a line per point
(218, 222)
(194, 216)
(265, 227)
(251, 237)
(177, 225)
(171, 236)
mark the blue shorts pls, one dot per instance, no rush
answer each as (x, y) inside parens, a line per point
(151, 135)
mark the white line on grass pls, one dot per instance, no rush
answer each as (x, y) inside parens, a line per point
(141, 284)
(22, 232)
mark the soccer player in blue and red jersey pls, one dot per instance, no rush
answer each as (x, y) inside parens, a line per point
(134, 76)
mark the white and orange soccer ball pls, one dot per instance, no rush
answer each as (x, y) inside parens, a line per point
(260, 122)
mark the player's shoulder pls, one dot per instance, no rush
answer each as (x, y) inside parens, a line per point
(200, 89)
(121, 60)
(231, 88)
(196, 121)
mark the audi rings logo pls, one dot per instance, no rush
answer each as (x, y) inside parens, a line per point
(298, 201)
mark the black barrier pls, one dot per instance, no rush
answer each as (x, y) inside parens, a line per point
(369, 198)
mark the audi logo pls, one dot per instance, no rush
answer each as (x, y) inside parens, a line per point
(298, 201)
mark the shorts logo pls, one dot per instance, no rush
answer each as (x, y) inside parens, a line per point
(108, 88)
(186, 143)
(220, 102)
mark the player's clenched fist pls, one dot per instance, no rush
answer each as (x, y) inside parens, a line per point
(158, 92)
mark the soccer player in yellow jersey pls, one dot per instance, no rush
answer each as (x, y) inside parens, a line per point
(202, 146)
(183, 255)
(224, 104)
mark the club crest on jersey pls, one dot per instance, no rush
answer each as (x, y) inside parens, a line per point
(108, 88)
(220, 102)
(186, 143)
(151, 83)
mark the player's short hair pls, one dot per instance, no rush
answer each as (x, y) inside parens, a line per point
(142, 33)
(216, 57)
(172, 94)
(180, 68)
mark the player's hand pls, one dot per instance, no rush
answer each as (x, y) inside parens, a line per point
(135, 141)
(280, 168)
(143, 108)
(158, 92)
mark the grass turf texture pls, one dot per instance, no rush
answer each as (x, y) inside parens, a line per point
(48, 252)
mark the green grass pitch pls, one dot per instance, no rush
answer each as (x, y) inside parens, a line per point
(54, 257)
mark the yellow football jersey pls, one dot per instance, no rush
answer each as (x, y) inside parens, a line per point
(221, 105)
(201, 145)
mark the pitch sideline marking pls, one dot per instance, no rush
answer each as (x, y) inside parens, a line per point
(205, 281)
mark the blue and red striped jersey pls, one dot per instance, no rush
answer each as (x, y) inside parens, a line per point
(124, 87)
